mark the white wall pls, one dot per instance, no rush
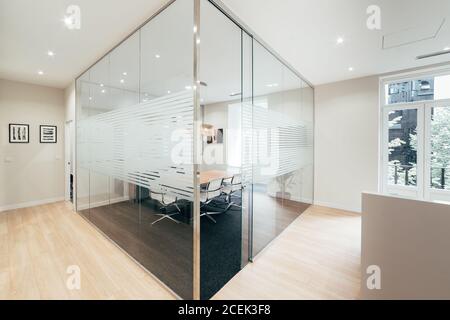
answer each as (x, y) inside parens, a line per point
(346, 142)
(30, 173)
(408, 240)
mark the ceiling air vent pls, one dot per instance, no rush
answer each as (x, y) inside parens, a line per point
(435, 54)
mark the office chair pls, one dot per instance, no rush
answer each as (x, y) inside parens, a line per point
(212, 191)
(231, 189)
(165, 201)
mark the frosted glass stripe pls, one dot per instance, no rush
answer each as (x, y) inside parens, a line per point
(247, 144)
(149, 144)
(278, 142)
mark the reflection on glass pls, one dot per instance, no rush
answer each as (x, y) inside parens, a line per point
(222, 219)
(402, 166)
(130, 106)
(440, 148)
(282, 147)
(135, 133)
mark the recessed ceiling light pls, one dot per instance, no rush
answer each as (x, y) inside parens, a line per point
(340, 40)
(40, 72)
(50, 53)
(122, 81)
(102, 85)
(188, 87)
(169, 92)
(157, 56)
(103, 91)
(90, 98)
(350, 69)
(125, 74)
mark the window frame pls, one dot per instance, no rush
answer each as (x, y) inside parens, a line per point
(424, 108)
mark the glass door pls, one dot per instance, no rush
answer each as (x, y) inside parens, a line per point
(437, 172)
(403, 150)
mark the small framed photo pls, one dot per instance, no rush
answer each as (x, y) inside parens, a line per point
(49, 134)
(19, 133)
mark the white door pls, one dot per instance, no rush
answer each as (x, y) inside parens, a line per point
(69, 152)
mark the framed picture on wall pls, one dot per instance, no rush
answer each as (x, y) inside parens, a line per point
(49, 134)
(19, 133)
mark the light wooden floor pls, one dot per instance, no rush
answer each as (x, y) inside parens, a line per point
(38, 244)
(317, 257)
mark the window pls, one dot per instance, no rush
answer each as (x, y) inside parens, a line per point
(416, 138)
(410, 91)
(402, 146)
(419, 89)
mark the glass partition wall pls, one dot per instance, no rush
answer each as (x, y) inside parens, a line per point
(194, 147)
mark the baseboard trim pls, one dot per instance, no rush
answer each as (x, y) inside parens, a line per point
(337, 206)
(30, 204)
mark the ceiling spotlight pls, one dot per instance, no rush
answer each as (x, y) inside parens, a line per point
(40, 72)
(102, 85)
(103, 91)
(125, 74)
(50, 53)
(157, 56)
(350, 69)
(169, 92)
(122, 81)
(90, 98)
(340, 40)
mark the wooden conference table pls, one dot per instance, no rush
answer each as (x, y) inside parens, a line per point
(210, 175)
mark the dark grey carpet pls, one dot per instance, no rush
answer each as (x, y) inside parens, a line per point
(221, 249)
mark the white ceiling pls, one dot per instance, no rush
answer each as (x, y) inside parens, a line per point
(29, 28)
(304, 32)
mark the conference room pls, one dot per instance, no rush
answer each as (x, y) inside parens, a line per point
(194, 147)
